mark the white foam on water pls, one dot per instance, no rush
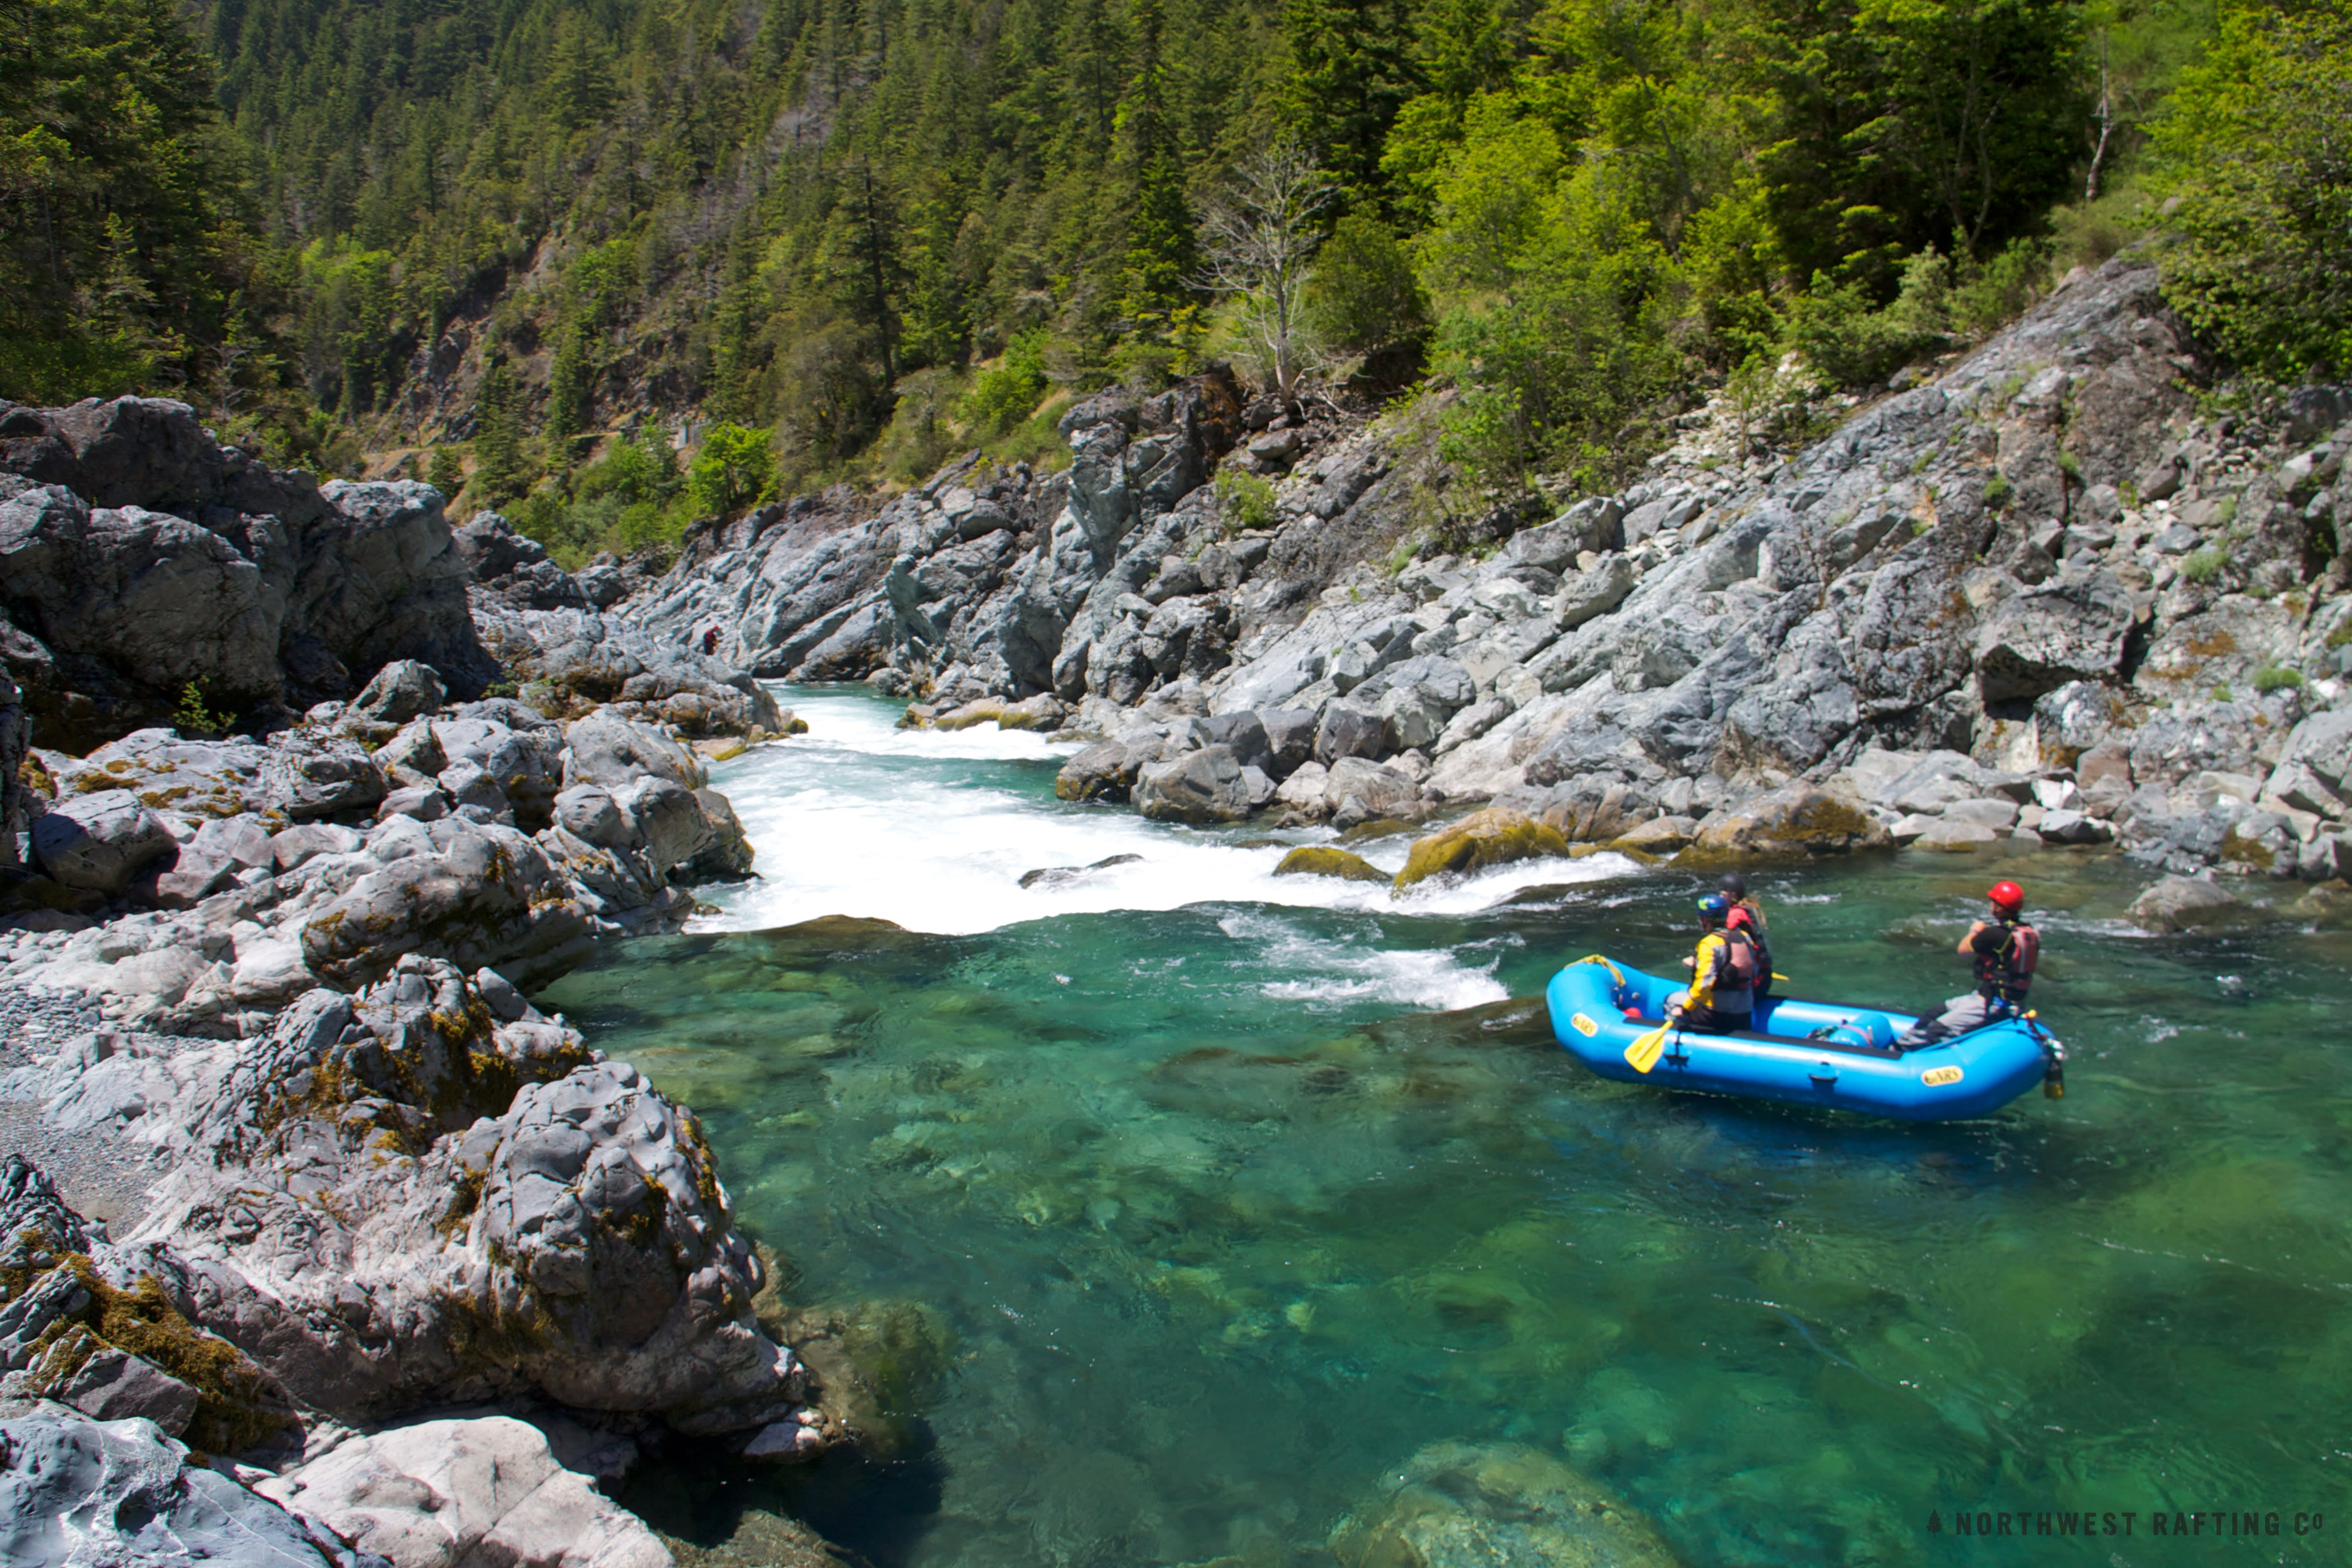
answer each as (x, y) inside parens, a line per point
(1337, 972)
(859, 819)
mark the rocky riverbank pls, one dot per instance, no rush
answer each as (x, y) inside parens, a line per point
(2040, 597)
(262, 968)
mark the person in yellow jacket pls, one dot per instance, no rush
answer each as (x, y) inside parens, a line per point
(1722, 995)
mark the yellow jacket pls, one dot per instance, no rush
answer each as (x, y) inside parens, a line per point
(1714, 982)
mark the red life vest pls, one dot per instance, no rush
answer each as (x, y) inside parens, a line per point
(2006, 973)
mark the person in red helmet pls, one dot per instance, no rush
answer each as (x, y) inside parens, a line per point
(2003, 951)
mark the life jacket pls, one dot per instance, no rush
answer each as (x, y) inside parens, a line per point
(2004, 975)
(1743, 919)
(1732, 971)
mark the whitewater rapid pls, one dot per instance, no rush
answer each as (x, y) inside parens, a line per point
(933, 831)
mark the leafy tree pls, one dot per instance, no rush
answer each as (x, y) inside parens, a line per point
(2255, 155)
(734, 470)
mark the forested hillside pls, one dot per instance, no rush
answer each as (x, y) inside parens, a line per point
(865, 230)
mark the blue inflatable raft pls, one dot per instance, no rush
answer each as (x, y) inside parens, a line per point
(1802, 1053)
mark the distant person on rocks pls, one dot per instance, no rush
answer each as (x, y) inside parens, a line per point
(1747, 915)
(2003, 951)
(1722, 995)
(709, 641)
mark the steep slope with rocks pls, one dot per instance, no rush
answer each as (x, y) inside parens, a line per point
(2040, 596)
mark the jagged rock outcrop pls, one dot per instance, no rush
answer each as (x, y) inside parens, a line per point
(137, 556)
(240, 874)
(427, 1193)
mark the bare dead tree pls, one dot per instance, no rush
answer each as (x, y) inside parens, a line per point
(1259, 239)
(2105, 120)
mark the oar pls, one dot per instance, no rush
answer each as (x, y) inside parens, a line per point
(1644, 1053)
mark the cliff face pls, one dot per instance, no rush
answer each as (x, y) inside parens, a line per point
(2043, 559)
(137, 556)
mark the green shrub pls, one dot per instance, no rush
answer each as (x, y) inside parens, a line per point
(1998, 492)
(1003, 395)
(644, 469)
(2204, 565)
(1362, 296)
(193, 719)
(2276, 678)
(1246, 499)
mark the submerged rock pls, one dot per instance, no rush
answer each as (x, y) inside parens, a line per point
(1493, 836)
(1061, 875)
(2187, 903)
(1456, 1505)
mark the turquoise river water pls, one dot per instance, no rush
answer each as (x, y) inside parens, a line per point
(1222, 1195)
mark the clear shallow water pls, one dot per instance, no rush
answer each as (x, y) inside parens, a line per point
(1224, 1219)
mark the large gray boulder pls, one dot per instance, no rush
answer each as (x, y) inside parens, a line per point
(2314, 766)
(515, 567)
(1357, 790)
(145, 602)
(2187, 903)
(1415, 697)
(1198, 786)
(79, 1493)
(458, 1492)
(481, 894)
(606, 749)
(402, 691)
(100, 842)
(1105, 770)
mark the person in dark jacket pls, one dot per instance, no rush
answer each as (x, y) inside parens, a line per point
(2003, 953)
(709, 641)
(1747, 915)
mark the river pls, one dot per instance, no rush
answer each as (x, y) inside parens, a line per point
(1217, 1195)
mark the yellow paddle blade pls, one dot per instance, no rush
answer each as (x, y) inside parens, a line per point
(1777, 975)
(1644, 1053)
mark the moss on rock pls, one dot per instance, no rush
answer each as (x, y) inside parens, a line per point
(1494, 836)
(1323, 860)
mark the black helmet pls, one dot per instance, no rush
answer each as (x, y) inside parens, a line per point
(1732, 885)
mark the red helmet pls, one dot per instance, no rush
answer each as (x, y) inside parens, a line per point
(2007, 896)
